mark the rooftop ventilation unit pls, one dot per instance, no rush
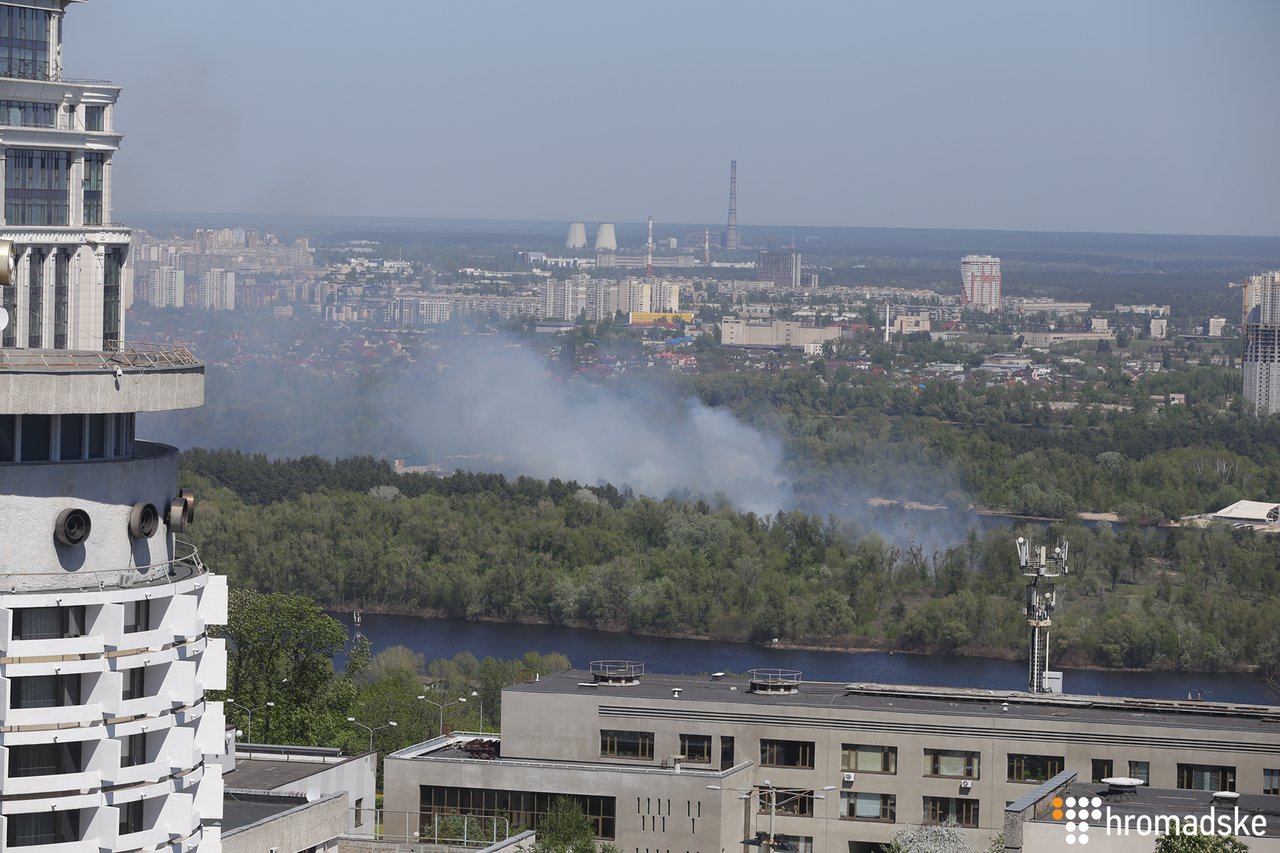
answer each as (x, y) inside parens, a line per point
(621, 672)
(144, 520)
(72, 527)
(775, 681)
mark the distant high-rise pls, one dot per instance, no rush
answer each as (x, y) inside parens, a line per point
(218, 290)
(577, 238)
(606, 238)
(781, 268)
(1261, 360)
(167, 288)
(980, 282)
(731, 235)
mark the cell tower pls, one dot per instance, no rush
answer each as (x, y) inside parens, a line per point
(1039, 565)
(731, 236)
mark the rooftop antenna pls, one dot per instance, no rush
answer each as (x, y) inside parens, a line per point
(1039, 565)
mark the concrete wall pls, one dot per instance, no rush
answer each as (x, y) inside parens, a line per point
(96, 392)
(357, 777)
(309, 825)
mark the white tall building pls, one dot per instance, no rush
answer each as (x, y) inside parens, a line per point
(218, 290)
(1261, 360)
(105, 657)
(980, 282)
(167, 288)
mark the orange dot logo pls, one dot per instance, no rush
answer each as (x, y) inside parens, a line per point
(1057, 808)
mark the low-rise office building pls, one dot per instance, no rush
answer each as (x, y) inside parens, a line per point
(705, 762)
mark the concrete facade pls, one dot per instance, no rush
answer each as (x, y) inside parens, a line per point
(289, 825)
(735, 332)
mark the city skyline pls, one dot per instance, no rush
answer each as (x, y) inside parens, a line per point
(1140, 119)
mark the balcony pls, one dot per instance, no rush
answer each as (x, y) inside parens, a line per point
(184, 565)
(127, 355)
(52, 784)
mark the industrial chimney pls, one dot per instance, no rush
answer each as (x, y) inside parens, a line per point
(606, 239)
(731, 237)
(577, 238)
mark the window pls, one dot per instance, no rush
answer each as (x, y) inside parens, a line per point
(786, 753)
(44, 759)
(793, 843)
(130, 817)
(36, 442)
(522, 808)
(869, 759)
(94, 164)
(35, 299)
(24, 43)
(1103, 768)
(71, 440)
(359, 817)
(696, 749)
(45, 691)
(951, 762)
(626, 744)
(726, 752)
(133, 750)
(137, 616)
(859, 806)
(1140, 770)
(8, 432)
(46, 827)
(793, 802)
(95, 118)
(1034, 768)
(1206, 777)
(97, 436)
(36, 186)
(28, 114)
(955, 810)
(48, 623)
(61, 304)
(112, 272)
(1271, 782)
(135, 683)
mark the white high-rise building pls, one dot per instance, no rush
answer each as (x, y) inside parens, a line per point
(1261, 362)
(167, 288)
(105, 656)
(218, 290)
(980, 282)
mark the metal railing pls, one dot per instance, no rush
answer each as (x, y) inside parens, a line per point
(132, 355)
(186, 563)
(472, 831)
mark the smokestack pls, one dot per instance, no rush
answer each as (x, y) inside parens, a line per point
(606, 238)
(577, 238)
(648, 251)
(706, 246)
(731, 239)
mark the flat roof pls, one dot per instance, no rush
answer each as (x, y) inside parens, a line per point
(940, 701)
(265, 774)
(239, 811)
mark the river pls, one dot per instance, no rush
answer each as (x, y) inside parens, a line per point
(444, 638)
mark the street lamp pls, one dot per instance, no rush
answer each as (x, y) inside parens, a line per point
(370, 729)
(250, 711)
(476, 695)
(442, 706)
(787, 798)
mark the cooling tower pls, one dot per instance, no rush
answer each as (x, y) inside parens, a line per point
(606, 239)
(577, 238)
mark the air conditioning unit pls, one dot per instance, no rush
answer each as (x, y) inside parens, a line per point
(127, 579)
(849, 777)
(966, 784)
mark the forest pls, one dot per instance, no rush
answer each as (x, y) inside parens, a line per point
(354, 533)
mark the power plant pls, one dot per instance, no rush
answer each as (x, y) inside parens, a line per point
(606, 238)
(577, 238)
(731, 236)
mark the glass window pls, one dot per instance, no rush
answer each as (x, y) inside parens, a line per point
(36, 442)
(951, 762)
(1140, 770)
(28, 114)
(869, 759)
(35, 299)
(36, 186)
(786, 753)
(130, 817)
(1206, 777)
(726, 752)
(1271, 781)
(95, 118)
(794, 802)
(137, 616)
(48, 623)
(61, 304)
(1103, 768)
(97, 436)
(135, 683)
(112, 273)
(94, 165)
(45, 691)
(626, 744)
(1034, 768)
(71, 441)
(8, 434)
(696, 749)
(24, 43)
(44, 759)
(957, 810)
(133, 750)
(793, 843)
(860, 806)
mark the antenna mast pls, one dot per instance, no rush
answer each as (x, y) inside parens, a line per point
(731, 236)
(648, 250)
(1037, 565)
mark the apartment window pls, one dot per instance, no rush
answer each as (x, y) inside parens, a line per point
(24, 43)
(35, 300)
(61, 297)
(956, 810)
(1103, 768)
(44, 759)
(133, 750)
(48, 827)
(793, 802)
(45, 691)
(94, 164)
(135, 683)
(726, 752)
(869, 759)
(130, 817)
(359, 817)
(137, 616)
(95, 118)
(626, 744)
(1034, 768)
(1271, 782)
(112, 273)
(951, 762)
(48, 623)
(696, 749)
(36, 186)
(1206, 777)
(28, 114)
(859, 806)
(786, 753)
(1140, 770)
(793, 843)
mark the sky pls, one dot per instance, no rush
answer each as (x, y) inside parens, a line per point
(1147, 116)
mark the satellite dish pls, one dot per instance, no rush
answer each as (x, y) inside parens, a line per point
(4, 319)
(8, 261)
(313, 794)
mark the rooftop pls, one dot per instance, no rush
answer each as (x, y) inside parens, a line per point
(239, 811)
(936, 701)
(257, 771)
(128, 355)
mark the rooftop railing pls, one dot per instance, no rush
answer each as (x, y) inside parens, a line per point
(186, 563)
(131, 355)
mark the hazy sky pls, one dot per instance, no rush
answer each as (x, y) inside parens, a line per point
(1089, 115)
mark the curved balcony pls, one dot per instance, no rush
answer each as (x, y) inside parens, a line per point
(184, 565)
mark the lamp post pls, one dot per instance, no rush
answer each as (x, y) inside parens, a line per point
(249, 711)
(370, 729)
(442, 706)
(774, 795)
(476, 695)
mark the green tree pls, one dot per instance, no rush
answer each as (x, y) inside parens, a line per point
(565, 828)
(1179, 843)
